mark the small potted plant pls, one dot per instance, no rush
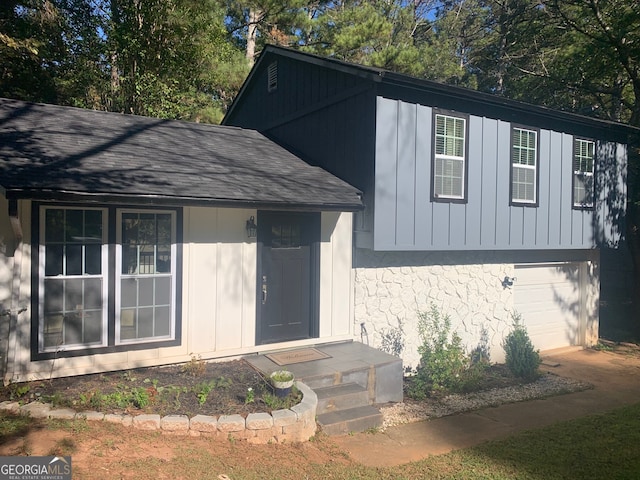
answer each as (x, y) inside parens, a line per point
(282, 381)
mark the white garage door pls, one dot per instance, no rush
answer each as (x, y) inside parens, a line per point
(548, 298)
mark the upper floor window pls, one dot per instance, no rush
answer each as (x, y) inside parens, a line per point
(583, 165)
(524, 165)
(449, 162)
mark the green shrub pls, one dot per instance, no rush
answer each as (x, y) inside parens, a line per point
(203, 389)
(19, 390)
(520, 356)
(443, 361)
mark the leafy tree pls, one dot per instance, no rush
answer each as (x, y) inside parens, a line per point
(386, 34)
(609, 33)
(170, 59)
(457, 30)
(82, 79)
(30, 48)
(514, 28)
(254, 23)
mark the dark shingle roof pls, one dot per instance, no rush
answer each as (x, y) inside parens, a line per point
(49, 151)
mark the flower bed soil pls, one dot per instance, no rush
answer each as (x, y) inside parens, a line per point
(196, 388)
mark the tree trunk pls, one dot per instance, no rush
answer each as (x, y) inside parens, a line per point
(252, 32)
(115, 82)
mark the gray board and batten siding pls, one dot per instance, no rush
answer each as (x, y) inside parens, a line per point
(325, 115)
(373, 129)
(487, 220)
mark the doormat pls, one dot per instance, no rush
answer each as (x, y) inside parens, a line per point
(297, 356)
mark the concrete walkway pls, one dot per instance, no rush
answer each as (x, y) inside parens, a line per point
(616, 381)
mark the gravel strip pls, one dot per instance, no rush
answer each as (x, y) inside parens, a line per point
(413, 411)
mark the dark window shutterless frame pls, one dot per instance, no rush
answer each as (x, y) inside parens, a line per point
(449, 158)
(108, 344)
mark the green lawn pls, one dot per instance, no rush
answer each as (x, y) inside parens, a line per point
(596, 447)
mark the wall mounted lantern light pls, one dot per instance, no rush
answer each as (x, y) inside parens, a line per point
(252, 228)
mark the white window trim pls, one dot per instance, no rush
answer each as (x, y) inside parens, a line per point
(461, 159)
(581, 173)
(119, 276)
(578, 173)
(515, 199)
(515, 165)
(104, 251)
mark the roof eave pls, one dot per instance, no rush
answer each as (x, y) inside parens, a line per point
(386, 77)
(175, 201)
(474, 96)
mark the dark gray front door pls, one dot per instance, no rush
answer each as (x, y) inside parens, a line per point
(287, 276)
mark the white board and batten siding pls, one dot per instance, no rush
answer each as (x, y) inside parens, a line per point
(218, 296)
(406, 219)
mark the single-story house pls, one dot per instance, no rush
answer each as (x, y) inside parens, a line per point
(128, 241)
(482, 206)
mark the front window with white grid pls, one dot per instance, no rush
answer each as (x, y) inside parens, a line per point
(74, 268)
(146, 274)
(72, 278)
(583, 162)
(449, 161)
(524, 165)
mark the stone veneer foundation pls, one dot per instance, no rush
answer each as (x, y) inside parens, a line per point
(391, 288)
(296, 424)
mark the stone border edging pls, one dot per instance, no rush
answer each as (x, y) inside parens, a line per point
(296, 424)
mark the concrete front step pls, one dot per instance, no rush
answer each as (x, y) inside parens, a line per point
(356, 419)
(341, 397)
(347, 362)
(361, 376)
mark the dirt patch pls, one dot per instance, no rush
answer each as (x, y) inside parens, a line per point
(103, 450)
(196, 388)
(37, 441)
